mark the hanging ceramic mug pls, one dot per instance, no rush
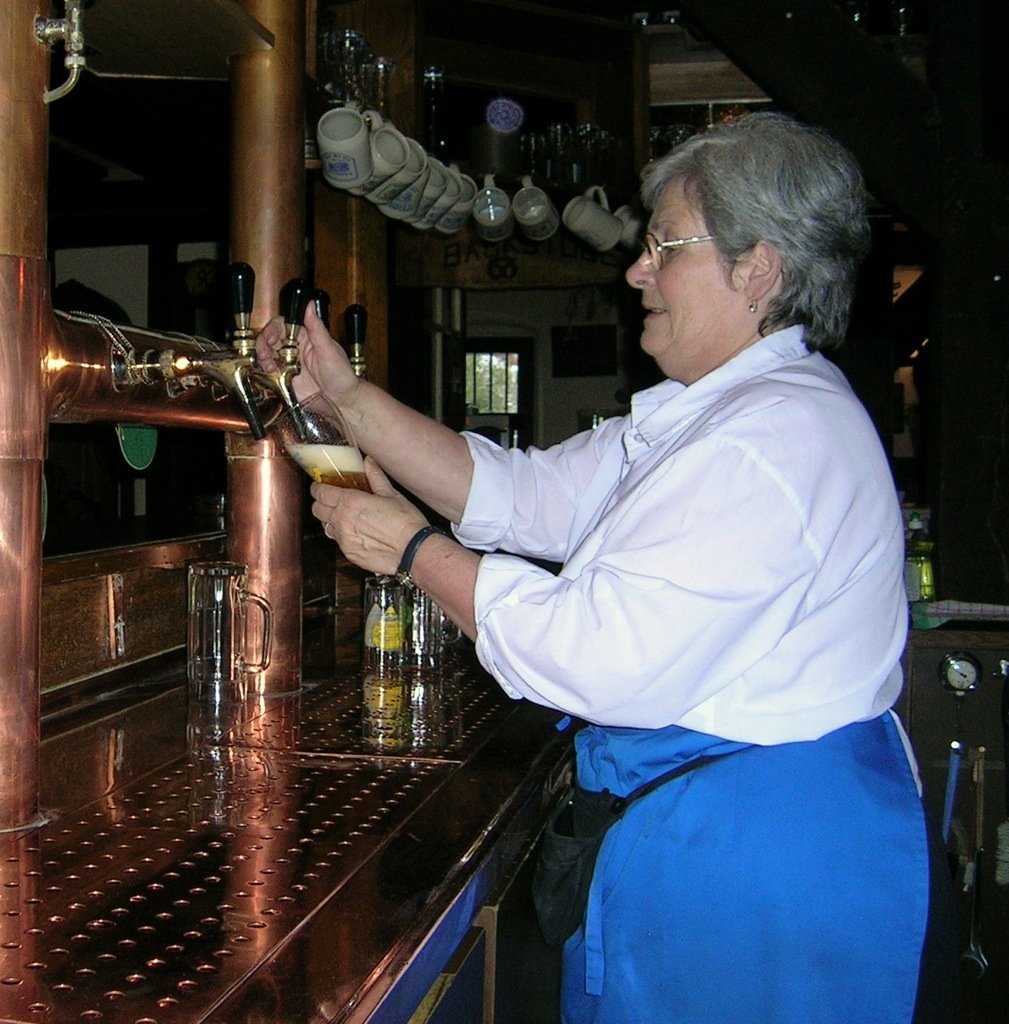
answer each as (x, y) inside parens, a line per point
(588, 216)
(343, 136)
(405, 203)
(398, 196)
(453, 219)
(492, 212)
(451, 195)
(434, 189)
(633, 226)
(535, 214)
(390, 153)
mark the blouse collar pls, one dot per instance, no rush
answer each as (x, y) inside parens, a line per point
(657, 409)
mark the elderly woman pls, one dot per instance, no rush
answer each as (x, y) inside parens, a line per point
(731, 584)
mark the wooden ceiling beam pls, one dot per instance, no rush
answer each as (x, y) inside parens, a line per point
(815, 63)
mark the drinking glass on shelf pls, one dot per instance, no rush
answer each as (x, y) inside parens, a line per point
(344, 60)
(317, 437)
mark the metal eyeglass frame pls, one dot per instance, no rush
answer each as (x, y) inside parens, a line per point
(653, 248)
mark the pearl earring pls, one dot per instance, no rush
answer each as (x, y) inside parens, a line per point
(753, 306)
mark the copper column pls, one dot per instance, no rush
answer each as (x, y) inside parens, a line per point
(24, 123)
(268, 232)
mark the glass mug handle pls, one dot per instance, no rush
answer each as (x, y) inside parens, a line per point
(264, 606)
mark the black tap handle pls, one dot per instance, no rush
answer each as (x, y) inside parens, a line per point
(294, 298)
(243, 287)
(355, 324)
(322, 305)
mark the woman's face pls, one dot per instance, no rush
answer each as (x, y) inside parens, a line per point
(696, 312)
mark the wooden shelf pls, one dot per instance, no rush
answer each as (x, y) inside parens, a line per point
(169, 39)
(427, 259)
(684, 70)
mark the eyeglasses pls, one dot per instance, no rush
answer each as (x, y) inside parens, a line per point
(654, 249)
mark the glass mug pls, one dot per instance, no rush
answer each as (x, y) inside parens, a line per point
(218, 599)
(422, 632)
(385, 713)
(316, 436)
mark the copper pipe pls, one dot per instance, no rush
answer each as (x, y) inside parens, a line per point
(268, 232)
(23, 275)
(264, 489)
(268, 154)
(80, 387)
(24, 122)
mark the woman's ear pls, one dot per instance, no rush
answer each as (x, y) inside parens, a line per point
(759, 272)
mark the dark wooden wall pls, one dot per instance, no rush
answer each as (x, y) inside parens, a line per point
(934, 153)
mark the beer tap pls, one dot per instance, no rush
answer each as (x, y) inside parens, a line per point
(243, 341)
(232, 369)
(193, 361)
(294, 297)
(355, 323)
(243, 287)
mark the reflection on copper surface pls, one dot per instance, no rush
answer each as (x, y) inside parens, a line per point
(267, 154)
(264, 533)
(24, 279)
(81, 385)
(268, 232)
(21, 954)
(179, 874)
(74, 369)
(22, 291)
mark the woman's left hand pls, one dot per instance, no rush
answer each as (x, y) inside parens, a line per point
(371, 529)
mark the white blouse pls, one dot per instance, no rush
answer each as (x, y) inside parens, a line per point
(732, 557)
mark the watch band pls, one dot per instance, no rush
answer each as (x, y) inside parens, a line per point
(410, 551)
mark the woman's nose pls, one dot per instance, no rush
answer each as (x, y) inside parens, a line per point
(638, 272)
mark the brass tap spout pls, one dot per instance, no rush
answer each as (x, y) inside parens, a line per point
(294, 297)
(232, 372)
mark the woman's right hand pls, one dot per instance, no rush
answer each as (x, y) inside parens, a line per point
(324, 364)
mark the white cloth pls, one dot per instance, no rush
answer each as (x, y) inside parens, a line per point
(732, 557)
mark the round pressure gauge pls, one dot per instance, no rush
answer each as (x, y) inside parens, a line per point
(960, 672)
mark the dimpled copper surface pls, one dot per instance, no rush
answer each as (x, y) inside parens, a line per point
(187, 843)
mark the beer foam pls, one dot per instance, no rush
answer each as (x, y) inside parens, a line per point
(323, 462)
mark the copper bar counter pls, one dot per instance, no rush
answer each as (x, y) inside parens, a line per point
(262, 865)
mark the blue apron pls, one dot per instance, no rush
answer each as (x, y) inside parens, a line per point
(786, 884)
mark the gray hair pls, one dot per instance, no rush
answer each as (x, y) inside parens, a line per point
(766, 177)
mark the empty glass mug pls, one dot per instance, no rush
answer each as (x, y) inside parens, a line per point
(218, 601)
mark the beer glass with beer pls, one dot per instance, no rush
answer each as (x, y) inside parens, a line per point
(316, 436)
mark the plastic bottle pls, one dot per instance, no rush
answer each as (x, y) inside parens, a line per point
(918, 575)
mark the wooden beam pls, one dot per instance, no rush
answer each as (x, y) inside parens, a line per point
(814, 62)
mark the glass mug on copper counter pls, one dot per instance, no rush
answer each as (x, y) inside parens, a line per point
(218, 599)
(317, 437)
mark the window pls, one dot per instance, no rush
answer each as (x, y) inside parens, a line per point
(499, 388)
(492, 382)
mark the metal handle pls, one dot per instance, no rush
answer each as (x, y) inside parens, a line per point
(952, 775)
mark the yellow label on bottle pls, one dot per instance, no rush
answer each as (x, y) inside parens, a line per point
(387, 631)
